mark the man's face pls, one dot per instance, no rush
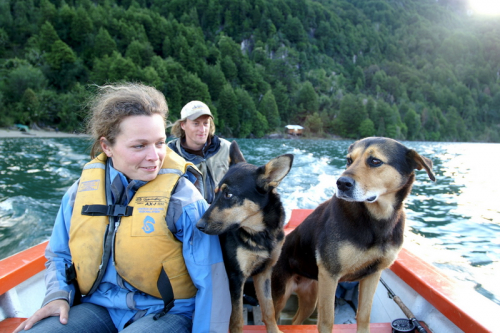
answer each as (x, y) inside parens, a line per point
(196, 131)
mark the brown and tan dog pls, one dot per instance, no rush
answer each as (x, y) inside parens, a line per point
(248, 215)
(351, 237)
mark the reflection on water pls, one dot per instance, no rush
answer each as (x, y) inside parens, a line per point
(453, 222)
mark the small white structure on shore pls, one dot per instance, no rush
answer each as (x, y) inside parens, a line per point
(294, 129)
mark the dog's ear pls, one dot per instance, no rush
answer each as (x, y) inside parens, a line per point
(271, 174)
(235, 155)
(422, 162)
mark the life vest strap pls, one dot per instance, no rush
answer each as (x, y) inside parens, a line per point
(166, 292)
(70, 273)
(107, 210)
(71, 279)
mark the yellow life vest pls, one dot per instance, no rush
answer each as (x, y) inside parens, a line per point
(143, 244)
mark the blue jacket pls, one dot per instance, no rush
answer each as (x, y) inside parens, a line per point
(210, 309)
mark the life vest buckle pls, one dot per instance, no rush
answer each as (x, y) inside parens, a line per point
(117, 210)
(109, 210)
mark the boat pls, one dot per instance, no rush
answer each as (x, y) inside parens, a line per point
(438, 302)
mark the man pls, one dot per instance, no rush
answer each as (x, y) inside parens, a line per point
(197, 143)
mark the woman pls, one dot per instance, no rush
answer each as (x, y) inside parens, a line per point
(125, 236)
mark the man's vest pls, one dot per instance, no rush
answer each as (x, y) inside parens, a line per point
(143, 244)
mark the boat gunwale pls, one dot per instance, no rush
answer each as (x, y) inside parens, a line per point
(21, 266)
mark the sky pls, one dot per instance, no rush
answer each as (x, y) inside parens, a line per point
(485, 7)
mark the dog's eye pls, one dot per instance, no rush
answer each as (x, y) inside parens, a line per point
(349, 161)
(227, 195)
(374, 162)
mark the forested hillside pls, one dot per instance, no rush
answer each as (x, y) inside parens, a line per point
(407, 69)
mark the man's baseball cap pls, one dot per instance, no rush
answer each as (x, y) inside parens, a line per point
(195, 109)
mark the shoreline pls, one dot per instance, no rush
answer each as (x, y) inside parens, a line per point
(14, 133)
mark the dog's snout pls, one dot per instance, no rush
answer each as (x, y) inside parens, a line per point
(345, 184)
(201, 225)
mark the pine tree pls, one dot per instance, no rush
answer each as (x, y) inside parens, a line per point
(48, 36)
(60, 54)
(228, 111)
(104, 44)
(269, 109)
(352, 113)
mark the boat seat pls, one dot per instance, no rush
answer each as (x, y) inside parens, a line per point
(10, 324)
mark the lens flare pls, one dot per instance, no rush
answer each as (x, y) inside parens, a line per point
(485, 7)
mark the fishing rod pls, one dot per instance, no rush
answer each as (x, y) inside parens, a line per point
(404, 308)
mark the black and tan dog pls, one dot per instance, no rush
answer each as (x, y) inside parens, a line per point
(248, 215)
(351, 237)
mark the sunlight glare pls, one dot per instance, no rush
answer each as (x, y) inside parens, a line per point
(485, 7)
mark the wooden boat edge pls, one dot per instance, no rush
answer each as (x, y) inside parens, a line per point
(21, 266)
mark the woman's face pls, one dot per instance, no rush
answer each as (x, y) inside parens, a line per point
(140, 148)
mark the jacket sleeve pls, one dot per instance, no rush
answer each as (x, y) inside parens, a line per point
(58, 254)
(203, 257)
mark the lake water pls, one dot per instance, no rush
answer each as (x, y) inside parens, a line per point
(453, 223)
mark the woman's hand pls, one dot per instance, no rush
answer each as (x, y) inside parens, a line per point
(59, 307)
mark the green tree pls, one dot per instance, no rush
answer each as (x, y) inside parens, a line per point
(250, 78)
(64, 21)
(4, 40)
(229, 68)
(352, 113)
(412, 121)
(48, 36)
(228, 47)
(269, 109)
(48, 11)
(307, 99)
(229, 116)
(113, 69)
(283, 67)
(20, 78)
(386, 122)
(23, 20)
(181, 86)
(81, 26)
(455, 126)
(294, 30)
(247, 112)
(6, 16)
(150, 77)
(282, 98)
(314, 124)
(260, 125)
(366, 128)
(493, 114)
(140, 53)
(104, 44)
(60, 54)
(31, 106)
(371, 109)
(214, 78)
(358, 78)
